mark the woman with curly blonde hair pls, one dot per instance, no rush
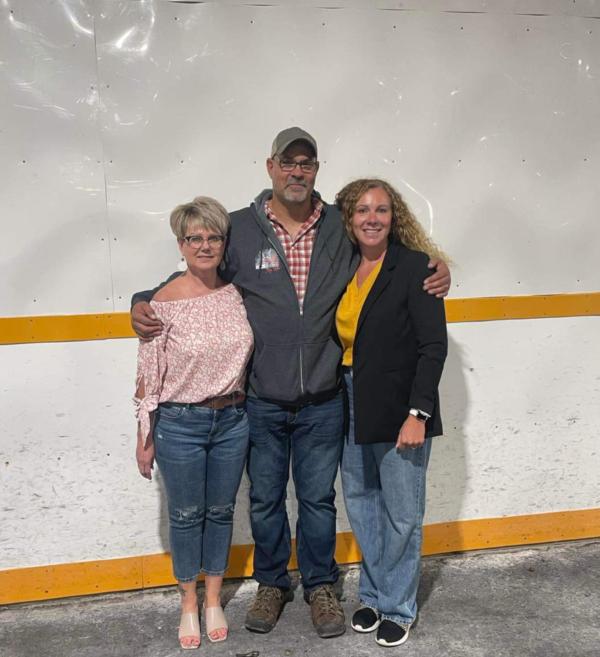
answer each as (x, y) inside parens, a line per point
(405, 226)
(394, 339)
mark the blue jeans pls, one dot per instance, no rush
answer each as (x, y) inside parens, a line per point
(312, 437)
(384, 492)
(201, 454)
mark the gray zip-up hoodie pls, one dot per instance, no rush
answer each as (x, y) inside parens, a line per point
(296, 352)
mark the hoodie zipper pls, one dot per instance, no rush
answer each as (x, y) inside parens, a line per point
(301, 370)
(300, 311)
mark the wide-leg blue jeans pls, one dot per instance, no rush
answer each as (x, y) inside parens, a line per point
(384, 492)
(201, 454)
(311, 437)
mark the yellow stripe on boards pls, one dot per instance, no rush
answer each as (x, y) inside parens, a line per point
(483, 309)
(64, 580)
(66, 328)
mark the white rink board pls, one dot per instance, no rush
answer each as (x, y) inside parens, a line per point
(119, 110)
(54, 246)
(520, 407)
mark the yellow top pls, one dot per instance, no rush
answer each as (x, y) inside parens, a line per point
(348, 311)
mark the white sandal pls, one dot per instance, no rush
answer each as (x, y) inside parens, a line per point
(215, 620)
(189, 628)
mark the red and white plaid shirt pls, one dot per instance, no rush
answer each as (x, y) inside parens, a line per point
(298, 250)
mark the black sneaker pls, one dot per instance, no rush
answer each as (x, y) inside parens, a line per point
(391, 634)
(365, 619)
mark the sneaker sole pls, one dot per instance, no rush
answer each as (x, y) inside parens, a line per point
(365, 630)
(388, 644)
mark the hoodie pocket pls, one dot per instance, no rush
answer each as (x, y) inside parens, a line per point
(276, 372)
(321, 361)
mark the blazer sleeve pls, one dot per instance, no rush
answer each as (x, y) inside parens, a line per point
(428, 319)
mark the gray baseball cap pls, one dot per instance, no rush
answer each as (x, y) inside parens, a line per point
(290, 135)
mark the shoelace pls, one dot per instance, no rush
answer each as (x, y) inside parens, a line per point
(264, 598)
(326, 599)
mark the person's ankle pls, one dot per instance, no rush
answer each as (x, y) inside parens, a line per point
(212, 601)
(189, 602)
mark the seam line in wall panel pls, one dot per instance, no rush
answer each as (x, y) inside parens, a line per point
(102, 153)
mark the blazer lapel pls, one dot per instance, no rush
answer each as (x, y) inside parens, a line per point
(381, 282)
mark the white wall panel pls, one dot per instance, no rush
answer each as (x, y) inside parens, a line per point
(112, 112)
(488, 147)
(483, 115)
(585, 8)
(521, 412)
(55, 246)
(70, 486)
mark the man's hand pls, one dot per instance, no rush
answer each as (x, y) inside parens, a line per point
(439, 282)
(144, 322)
(412, 433)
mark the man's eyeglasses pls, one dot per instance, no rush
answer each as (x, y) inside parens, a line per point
(306, 166)
(196, 241)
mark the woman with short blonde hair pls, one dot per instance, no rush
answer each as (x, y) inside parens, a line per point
(191, 412)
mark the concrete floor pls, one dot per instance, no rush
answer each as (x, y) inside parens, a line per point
(542, 601)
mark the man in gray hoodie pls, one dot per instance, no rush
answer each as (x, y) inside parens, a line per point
(291, 257)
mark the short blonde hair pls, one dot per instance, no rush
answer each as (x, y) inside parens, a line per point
(202, 212)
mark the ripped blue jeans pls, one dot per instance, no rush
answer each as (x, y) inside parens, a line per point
(201, 454)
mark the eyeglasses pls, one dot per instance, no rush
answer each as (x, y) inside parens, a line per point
(306, 166)
(197, 241)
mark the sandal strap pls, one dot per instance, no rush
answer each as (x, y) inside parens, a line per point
(215, 619)
(189, 625)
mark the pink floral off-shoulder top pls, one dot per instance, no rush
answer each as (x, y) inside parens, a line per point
(202, 352)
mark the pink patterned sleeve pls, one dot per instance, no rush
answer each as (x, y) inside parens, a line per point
(151, 368)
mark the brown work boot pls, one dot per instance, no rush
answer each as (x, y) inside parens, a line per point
(266, 608)
(326, 612)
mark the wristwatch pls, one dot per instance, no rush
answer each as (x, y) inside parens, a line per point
(419, 414)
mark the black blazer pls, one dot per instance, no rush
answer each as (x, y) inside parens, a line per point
(399, 349)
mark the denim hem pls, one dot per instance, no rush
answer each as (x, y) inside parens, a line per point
(283, 587)
(185, 580)
(309, 589)
(213, 573)
(405, 624)
(362, 604)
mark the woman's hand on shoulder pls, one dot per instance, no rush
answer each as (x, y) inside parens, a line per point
(412, 433)
(439, 282)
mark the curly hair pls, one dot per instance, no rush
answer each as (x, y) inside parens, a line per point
(405, 226)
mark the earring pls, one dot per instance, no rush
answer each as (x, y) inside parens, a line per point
(182, 266)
